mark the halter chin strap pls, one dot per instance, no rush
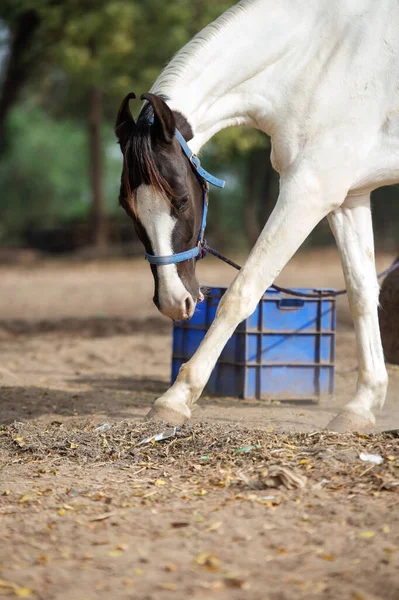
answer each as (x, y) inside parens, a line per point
(205, 178)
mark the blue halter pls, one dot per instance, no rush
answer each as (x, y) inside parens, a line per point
(204, 178)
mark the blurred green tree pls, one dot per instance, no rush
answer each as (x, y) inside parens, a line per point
(65, 65)
(78, 62)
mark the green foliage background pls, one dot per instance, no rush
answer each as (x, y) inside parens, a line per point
(120, 45)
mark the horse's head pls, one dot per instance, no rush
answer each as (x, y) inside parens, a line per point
(161, 193)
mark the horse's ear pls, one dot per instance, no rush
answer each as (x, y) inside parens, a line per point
(125, 124)
(164, 121)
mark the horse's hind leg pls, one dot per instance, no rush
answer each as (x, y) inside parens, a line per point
(352, 228)
(302, 203)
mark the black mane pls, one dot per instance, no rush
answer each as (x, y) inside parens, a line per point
(141, 165)
(146, 161)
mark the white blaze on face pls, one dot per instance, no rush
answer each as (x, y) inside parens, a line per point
(155, 216)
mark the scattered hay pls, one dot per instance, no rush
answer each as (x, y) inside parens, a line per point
(220, 456)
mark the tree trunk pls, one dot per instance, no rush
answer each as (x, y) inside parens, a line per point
(96, 168)
(262, 190)
(20, 63)
(251, 220)
(270, 188)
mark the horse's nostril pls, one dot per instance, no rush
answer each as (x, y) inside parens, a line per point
(187, 304)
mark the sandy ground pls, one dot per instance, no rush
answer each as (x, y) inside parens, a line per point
(82, 344)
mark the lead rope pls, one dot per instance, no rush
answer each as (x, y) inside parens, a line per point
(320, 293)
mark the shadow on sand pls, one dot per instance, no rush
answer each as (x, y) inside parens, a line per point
(117, 398)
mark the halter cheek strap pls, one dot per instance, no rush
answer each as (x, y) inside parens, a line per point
(195, 161)
(204, 178)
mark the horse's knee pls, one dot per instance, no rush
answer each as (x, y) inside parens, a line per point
(237, 304)
(363, 297)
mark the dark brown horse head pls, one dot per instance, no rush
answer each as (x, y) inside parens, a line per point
(161, 193)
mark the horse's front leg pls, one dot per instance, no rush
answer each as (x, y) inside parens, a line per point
(298, 210)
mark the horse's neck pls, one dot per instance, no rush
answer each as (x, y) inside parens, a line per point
(226, 75)
(273, 64)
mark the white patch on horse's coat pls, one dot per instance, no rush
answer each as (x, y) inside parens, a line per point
(155, 215)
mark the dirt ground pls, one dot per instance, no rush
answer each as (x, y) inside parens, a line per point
(250, 500)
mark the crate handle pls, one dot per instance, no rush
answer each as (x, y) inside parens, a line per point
(291, 303)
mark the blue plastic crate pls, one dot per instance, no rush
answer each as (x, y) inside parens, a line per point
(285, 350)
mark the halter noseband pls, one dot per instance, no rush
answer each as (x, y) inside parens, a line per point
(204, 178)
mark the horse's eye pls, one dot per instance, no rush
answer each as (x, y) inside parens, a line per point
(183, 204)
(179, 205)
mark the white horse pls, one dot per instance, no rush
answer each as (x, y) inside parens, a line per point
(320, 77)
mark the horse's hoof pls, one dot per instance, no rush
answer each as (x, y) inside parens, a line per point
(169, 415)
(349, 421)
